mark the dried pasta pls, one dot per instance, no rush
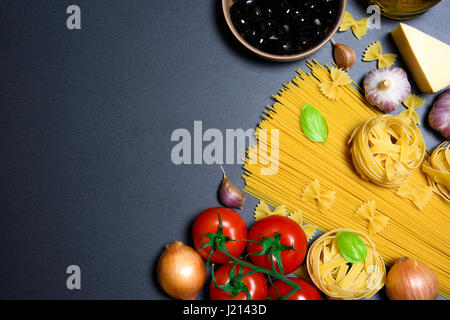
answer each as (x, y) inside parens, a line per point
(376, 222)
(314, 192)
(385, 149)
(437, 169)
(413, 102)
(421, 235)
(375, 52)
(419, 195)
(331, 88)
(359, 27)
(340, 279)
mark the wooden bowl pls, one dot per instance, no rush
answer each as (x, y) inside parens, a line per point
(226, 4)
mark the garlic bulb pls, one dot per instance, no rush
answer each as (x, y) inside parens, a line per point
(439, 116)
(386, 88)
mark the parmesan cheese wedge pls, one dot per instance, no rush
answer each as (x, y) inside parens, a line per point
(427, 58)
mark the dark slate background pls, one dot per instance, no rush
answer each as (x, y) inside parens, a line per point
(86, 117)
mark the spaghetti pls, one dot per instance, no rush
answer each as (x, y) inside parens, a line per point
(422, 235)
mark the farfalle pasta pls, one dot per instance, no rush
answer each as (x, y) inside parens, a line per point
(359, 27)
(339, 278)
(413, 102)
(314, 192)
(419, 195)
(339, 78)
(375, 222)
(385, 149)
(375, 52)
(437, 169)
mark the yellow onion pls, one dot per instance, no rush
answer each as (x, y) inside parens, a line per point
(411, 280)
(181, 271)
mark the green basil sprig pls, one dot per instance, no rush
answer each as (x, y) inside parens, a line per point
(313, 124)
(352, 247)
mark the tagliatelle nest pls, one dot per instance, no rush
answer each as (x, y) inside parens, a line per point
(437, 169)
(385, 149)
(340, 279)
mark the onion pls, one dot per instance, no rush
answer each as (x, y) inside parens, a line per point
(181, 271)
(439, 116)
(411, 280)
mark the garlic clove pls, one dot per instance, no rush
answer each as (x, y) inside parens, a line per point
(386, 88)
(344, 56)
(229, 194)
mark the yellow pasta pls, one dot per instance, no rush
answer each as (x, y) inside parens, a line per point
(413, 102)
(385, 149)
(376, 222)
(421, 235)
(375, 52)
(437, 169)
(419, 195)
(331, 88)
(340, 279)
(314, 192)
(359, 27)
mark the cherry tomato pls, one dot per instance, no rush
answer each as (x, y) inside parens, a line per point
(256, 284)
(233, 227)
(289, 233)
(307, 291)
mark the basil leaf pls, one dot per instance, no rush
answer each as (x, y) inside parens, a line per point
(313, 124)
(352, 247)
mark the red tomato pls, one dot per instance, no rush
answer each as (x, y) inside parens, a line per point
(233, 227)
(256, 284)
(307, 291)
(291, 235)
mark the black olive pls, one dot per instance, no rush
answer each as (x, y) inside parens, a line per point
(285, 28)
(270, 26)
(256, 13)
(296, 13)
(248, 2)
(241, 23)
(272, 46)
(255, 38)
(267, 13)
(310, 5)
(286, 46)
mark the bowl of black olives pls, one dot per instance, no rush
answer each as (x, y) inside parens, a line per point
(283, 30)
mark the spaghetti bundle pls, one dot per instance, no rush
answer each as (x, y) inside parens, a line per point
(340, 279)
(295, 161)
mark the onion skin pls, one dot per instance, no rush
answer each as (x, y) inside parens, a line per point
(181, 271)
(439, 116)
(411, 280)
